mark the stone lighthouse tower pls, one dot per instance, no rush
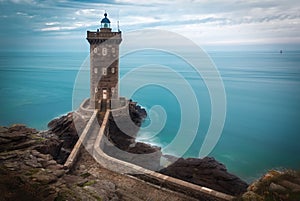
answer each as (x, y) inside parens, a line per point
(104, 64)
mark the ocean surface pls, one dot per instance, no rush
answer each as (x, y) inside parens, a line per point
(262, 125)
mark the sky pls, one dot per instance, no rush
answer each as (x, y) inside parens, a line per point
(37, 25)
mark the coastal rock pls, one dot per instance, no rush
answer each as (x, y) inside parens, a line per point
(206, 172)
(65, 129)
(16, 137)
(138, 153)
(62, 136)
(30, 163)
(137, 113)
(31, 173)
(276, 186)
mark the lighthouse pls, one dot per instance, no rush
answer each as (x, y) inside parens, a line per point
(104, 64)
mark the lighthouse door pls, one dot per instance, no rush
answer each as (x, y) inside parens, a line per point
(104, 94)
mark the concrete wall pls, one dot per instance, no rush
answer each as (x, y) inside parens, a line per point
(75, 151)
(84, 108)
(154, 177)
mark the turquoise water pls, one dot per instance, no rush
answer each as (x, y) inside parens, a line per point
(262, 124)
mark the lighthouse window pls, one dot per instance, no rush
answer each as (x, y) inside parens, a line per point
(104, 51)
(104, 71)
(95, 50)
(95, 70)
(112, 70)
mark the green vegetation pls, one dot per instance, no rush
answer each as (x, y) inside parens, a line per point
(85, 175)
(89, 183)
(31, 172)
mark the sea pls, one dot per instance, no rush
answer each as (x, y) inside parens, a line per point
(261, 129)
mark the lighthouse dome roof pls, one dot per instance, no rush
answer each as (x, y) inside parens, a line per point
(105, 19)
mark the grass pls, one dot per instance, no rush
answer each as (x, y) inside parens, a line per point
(85, 175)
(89, 183)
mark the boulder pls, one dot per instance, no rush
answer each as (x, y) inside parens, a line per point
(206, 172)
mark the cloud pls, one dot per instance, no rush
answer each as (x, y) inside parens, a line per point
(24, 14)
(204, 21)
(51, 23)
(86, 12)
(63, 28)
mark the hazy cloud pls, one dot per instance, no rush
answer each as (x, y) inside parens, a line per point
(204, 21)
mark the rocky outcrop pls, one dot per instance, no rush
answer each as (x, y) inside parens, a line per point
(137, 113)
(30, 175)
(28, 171)
(127, 148)
(61, 137)
(14, 137)
(276, 186)
(206, 172)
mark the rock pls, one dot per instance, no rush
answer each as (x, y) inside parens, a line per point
(82, 182)
(59, 173)
(251, 196)
(16, 127)
(66, 133)
(138, 153)
(6, 156)
(50, 146)
(206, 172)
(3, 129)
(44, 178)
(12, 165)
(290, 185)
(276, 188)
(4, 141)
(270, 174)
(14, 136)
(33, 163)
(137, 113)
(29, 168)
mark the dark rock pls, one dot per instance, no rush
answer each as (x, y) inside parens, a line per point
(137, 113)
(29, 162)
(29, 172)
(276, 187)
(3, 129)
(16, 137)
(206, 172)
(51, 145)
(65, 135)
(141, 154)
(142, 148)
(44, 177)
